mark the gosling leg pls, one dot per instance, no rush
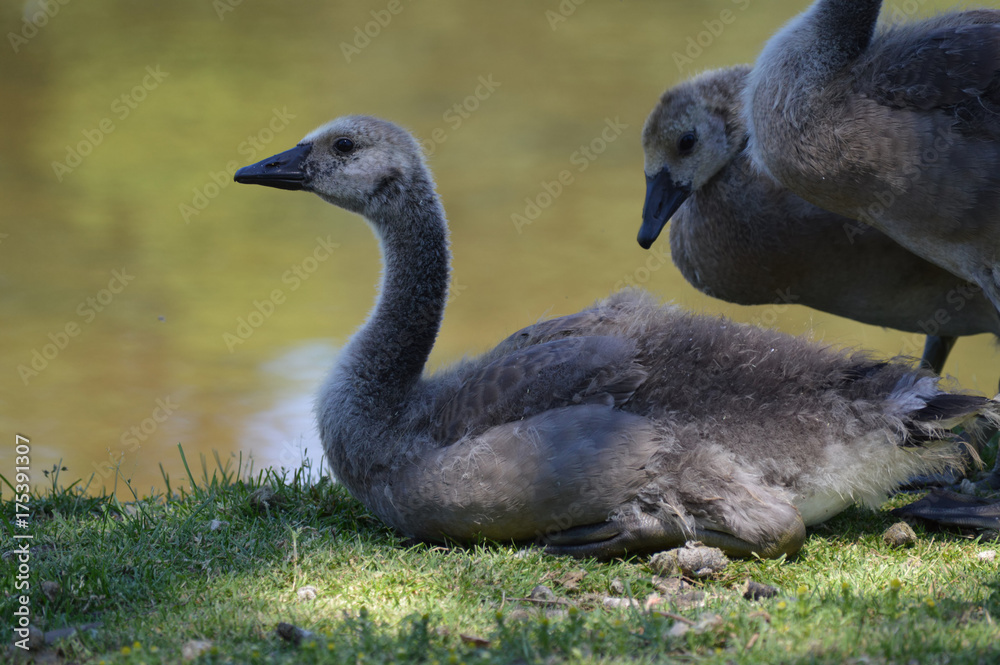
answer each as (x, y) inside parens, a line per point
(936, 351)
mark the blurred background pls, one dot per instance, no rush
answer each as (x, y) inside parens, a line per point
(147, 301)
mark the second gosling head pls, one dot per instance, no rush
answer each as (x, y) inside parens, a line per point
(693, 132)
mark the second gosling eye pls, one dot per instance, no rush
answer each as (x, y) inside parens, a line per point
(343, 145)
(686, 143)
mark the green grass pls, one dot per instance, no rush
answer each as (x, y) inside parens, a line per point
(155, 575)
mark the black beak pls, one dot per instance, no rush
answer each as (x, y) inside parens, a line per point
(283, 171)
(663, 198)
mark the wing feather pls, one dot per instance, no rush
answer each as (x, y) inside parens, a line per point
(953, 68)
(531, 380)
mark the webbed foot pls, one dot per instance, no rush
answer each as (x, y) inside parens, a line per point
(643, 533)
(950, 509)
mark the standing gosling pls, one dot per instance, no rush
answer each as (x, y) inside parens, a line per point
(899, 129)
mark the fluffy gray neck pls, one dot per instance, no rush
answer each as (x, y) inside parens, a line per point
(388, 354)
(368, 398)
(789, 83)
(843, 29)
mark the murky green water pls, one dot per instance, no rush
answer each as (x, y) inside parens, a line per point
(129, 262)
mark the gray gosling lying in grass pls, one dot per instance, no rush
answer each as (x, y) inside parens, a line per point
(626, 428)
(737, 235)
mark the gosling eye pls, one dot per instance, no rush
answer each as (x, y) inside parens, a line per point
(686, 143)
(344, 145)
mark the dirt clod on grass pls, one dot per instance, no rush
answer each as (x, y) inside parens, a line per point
(52, 590)
(757, 591)
(692, 560)
(291, 633)
(899, 534)
(543, 593)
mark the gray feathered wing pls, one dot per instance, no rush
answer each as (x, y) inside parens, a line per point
(954, 68)
(530, 439)
(539, 377)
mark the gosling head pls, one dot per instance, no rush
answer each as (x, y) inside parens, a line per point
(354, 162)
(691, 134)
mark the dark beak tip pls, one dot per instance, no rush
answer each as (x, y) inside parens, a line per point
(282, 171)
(663, 198)
(644, 241)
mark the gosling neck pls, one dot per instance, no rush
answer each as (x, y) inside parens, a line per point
(843, 29)
(390, 351)
(732, 84)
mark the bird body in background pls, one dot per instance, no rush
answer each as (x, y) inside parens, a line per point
(898, 128)
(738, 235)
